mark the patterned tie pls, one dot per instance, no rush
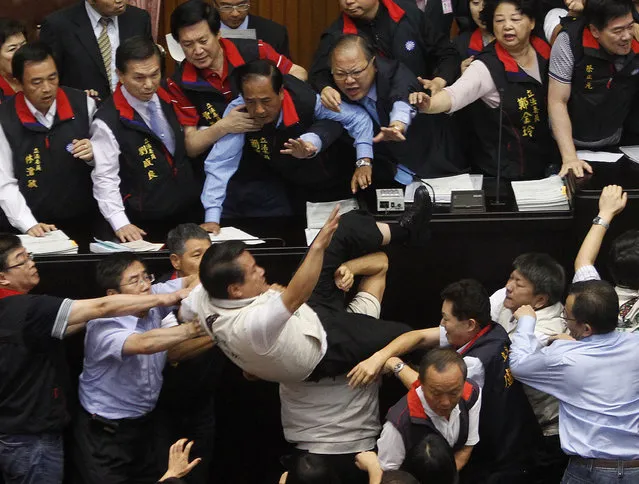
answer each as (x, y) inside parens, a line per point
(104, 43)
(160, 126)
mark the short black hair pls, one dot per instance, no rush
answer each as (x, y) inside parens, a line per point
(354, 40)
(470, 300)
(191, 12)
(545, 274)
(529, 8)
(136, 48)
(623, 260)
(9, 27)
(31, 52)
(258, 68)
(8, 243)
(432, 460)
(596, 303)
(398, 477)
(180, 235)
(441, 358)
(311, 469)
(599, 13)
(219, 268)
(108, 273)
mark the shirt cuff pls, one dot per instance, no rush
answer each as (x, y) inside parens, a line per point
(26, 223)
(402, 112)
(586, 273)
(526, 324)
(62, 319)
(315, 139)
(213, 214)
(364, 150)
(118, 220)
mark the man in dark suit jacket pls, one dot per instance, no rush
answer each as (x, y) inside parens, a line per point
(235, 15)
(73, 35)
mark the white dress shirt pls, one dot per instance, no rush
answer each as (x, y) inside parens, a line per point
(113, 32)
(474, 365)
(12, 202)
(106, 173)
(242, 26)
(391, 450)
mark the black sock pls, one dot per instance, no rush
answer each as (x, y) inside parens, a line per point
(398, 233)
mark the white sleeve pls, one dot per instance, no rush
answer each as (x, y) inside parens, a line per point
(443, 340)
(552, 19)
(265, 322)
(475, 83)
(12, 201)
(473, 422)
(586, 273)
(390, 448)
(476, 371)
(106, 175)
(496, 303)
(189, 305)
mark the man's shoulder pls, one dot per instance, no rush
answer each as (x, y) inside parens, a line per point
(135, 13)
(66, 14)
(98, 326)
(257, 22)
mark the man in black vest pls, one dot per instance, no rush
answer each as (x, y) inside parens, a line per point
(286, 152)
(141, 164)
(509, 431)
(439, 400)
(593, 80)
(44, 148)
(382, 87)
(202, 83)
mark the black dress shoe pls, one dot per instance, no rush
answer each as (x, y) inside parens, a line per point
(417, 218)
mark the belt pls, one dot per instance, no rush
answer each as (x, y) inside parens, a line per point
(606, 463)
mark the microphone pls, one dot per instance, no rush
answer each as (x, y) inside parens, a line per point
(498, 201)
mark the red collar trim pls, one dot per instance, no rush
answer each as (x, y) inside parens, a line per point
(468, 391)
(173, 276)
(5, 87)
(540, 46)
(476, 43)
(9, 292)
(395, 12)
(231, 53)
(588, 40)
(289, 112)
(122, 105)
(63, 108)
(349, 26)
(415, 407)
(472, 342)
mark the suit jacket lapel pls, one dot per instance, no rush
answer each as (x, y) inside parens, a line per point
(86, 36)
(125, 25)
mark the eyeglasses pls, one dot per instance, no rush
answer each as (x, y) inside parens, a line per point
(141, 280)
(564, 316)
(27, 257)
(242, 7)
(342, 76)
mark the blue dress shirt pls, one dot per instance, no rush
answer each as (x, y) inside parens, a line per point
(223, 160)
(114, 385)
(596, 381)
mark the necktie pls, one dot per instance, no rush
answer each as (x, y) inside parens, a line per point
(371, 108)
(104, 43)
(160, 126)
(421, 4)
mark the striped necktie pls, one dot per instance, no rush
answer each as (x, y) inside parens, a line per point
(104, 43)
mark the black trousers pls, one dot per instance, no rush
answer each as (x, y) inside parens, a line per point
(341, 466)
(115, 451)
(351, 337)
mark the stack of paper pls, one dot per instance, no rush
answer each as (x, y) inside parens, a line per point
(232, 233)
(631, 152)
(56, 242)
(548, 194)
(317, 214)
(442, 187)
(599, 156)
(105, 246)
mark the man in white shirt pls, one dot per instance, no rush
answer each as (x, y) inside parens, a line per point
(44, 147)
(440, 400)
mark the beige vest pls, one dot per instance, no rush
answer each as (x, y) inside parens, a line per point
(549, 323)
(293, 357)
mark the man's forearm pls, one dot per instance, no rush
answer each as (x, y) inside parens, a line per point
(410, 341)
(190, 348)
(156, 340)
(368, 265)
(462, 456)
(562, 129)
(299, 72)
(199, 140)
(590, 247)
(304, 281)
(440, 103)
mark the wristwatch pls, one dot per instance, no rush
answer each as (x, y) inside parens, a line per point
(398, 367)
(599, 221)
(362, 162)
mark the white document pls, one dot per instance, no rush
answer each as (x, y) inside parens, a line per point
(232, 233)
(442, 187)
(631, 152)
(55, 242)
(310, 235)
(548, 194)
(317, 213)
(106, 246)
(600, 156)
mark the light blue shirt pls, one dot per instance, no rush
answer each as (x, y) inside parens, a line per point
(114, 385)
(224, 159)
(243, 25)
(596, 381)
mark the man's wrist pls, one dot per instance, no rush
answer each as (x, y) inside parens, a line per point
(361, 162)
(603, 219)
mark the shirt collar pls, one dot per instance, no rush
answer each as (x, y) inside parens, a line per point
(429, 411)
(139, 106)
(372, 93)
(94, 16)
(243, 25)
(38, 115)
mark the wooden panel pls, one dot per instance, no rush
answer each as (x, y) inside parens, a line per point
(31, 12)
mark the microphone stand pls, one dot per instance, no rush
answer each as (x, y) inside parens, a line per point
(497, 202)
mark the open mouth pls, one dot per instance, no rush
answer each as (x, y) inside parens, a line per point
(509, 37)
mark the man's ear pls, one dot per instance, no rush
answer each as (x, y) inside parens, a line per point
(3, 279)
(473, 325)
(596, 33)
(539, 301)
(112, 292)
(587, 331)
(175, 261)
(234, 291)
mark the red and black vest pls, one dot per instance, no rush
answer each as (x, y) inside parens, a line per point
(209, 102)
(6, 91)
(600, 96)
(55, 185)
(410, 419)
(154, 183)
(527, 146)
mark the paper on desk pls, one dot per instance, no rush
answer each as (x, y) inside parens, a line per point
(548, 194)
(632, 152)
(232, 233)
(600, 156)
(317, 213)
(54, 242)
(442, 187)
(310, 235)
(106, 246)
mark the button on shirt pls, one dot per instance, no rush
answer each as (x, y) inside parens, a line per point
(224, 159)
(595, 381)
(391, 450)
(113, 32)
(112, 384)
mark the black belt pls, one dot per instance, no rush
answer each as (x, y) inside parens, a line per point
(606, 463)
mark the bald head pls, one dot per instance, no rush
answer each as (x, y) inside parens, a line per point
(353, 66)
